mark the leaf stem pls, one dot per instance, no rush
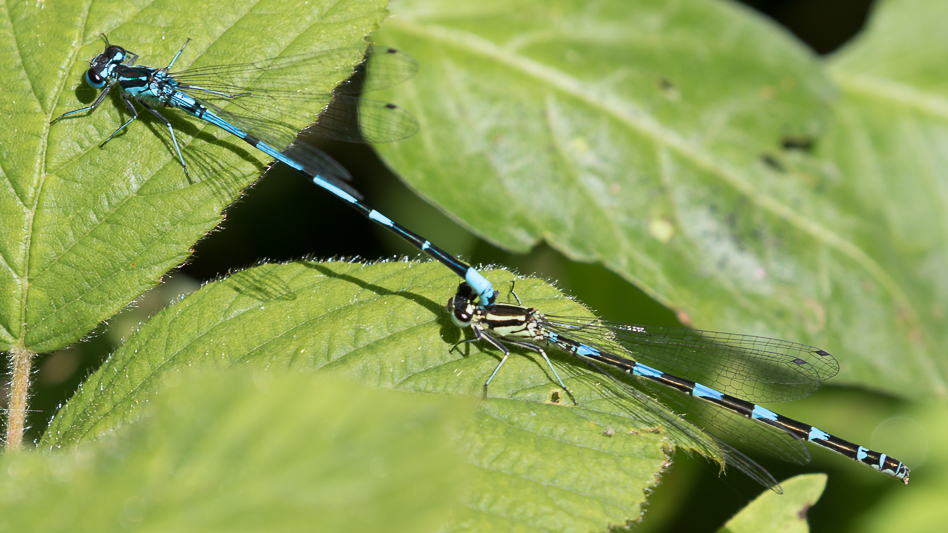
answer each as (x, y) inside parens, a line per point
(21, 361)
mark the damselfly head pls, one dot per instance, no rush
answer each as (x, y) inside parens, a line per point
(461, 306)
(102, 65)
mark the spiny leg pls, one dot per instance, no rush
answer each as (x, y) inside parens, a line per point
(535, 348)
(460, 342)
(174, 140)
(512, 283)
(134, 112)
(176, 56)
(479, 335)
(92, 107)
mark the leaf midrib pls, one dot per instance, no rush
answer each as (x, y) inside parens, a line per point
(895, 92)
(640, 121)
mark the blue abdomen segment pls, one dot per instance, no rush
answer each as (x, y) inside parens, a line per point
(798, 430)
(743, 408)
(478, 282)
(154, 88)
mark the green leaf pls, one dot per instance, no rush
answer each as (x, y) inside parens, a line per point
(540, 461)
(889, 139)
(251, 451)
(85, 231)
(775, 512)
(699, 152)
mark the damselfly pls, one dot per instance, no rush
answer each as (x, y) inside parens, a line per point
(263, 94)
(725, 372)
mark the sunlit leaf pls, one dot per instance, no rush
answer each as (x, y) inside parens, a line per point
(85, 231)
(251, 451)
(538, 459)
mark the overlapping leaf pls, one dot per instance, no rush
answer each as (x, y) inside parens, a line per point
(700, 152)
(251, 451)
(537, 460)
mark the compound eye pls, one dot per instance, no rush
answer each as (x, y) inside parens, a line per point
(94, 80)
(461, 319)
(115, 53)
(461, 311)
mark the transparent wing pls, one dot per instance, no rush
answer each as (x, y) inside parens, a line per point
(715, 419)
(352, 119)
(282, 136)
(757, 369)
(276, 88)
(762, 437)
(317, 163)
(294, 74)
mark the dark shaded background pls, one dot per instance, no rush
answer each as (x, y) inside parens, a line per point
(284, 218)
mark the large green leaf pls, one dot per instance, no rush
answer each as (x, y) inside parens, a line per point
(540, 462)
(696, 150)
(251, 451)
(888, 141)
(85, 231)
